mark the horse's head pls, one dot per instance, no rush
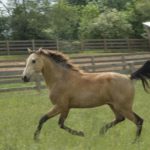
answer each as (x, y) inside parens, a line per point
(34, 65)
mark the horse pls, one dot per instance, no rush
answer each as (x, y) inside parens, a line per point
(70, 87)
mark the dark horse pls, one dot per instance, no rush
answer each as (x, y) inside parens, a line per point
(69, 87)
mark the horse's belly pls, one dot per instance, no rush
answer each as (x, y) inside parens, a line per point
(87, 100)
(74, 105)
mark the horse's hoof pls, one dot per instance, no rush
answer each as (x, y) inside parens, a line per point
(136, 140)
(102, 131)
(36, 136)
(81, 133)
(36, 139)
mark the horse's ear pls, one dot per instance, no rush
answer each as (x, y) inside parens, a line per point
(30, 50)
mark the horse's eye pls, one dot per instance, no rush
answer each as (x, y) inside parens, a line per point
(33, 61)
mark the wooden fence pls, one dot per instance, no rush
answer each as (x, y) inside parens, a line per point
(116, 44)
(20, 47)
(10, 71)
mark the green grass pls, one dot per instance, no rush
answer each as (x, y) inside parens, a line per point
(16, 85)
(20, 112)
(13, 57)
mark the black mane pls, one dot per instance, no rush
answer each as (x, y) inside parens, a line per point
(58, 58)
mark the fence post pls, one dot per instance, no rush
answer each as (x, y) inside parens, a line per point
(148, 32)
(82, 45)
(123, 62)
(128, 43)
(105, 44)
(33, 44)
(93, 63)
(38, 86)
(131, 67)
(8, 48)
(57, 45)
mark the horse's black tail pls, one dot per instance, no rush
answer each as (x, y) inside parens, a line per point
(142, 74)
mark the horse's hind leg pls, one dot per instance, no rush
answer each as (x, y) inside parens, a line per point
(119, 118)
(61, 121)
(53, 112)
(136, 119)
(139, 123)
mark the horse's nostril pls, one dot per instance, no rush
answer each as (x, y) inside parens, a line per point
(25, 79)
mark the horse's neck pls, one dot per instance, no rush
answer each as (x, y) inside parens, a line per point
(51, 73)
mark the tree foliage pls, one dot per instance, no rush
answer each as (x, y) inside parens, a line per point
(27, 22)
(117, 4)
(4, 27)
(139, 13)
(63, 21)
(109, 24)
(77, 2)
(73, 19)
(88, 13)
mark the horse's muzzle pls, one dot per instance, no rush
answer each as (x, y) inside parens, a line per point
(25, 79)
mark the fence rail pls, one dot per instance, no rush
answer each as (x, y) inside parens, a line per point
(20, 47)
(10, 73)
(126, 44)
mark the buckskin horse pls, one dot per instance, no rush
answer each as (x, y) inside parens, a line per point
(70, 87)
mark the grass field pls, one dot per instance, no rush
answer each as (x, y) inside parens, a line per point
(12, 57)
(20, 112)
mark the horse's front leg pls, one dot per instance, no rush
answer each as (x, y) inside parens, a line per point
(53, 112)
(61, 121)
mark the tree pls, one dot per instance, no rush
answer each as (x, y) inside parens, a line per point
(77, 2)
(4, 27)
(117, 4)
(73, 19)
(28, 22)
(63, 21)
(139, 13)
(110, 24)
(88, 13)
